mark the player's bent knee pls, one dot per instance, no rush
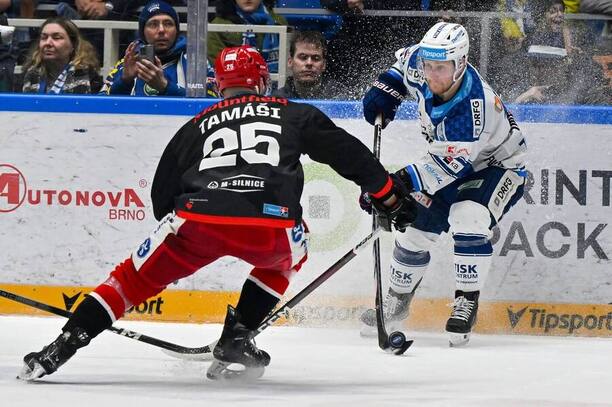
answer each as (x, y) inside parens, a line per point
(469, 217)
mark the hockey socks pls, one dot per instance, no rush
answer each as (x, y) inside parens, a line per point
(90, 316)
(473, 254)
(254, 304)
(407, 269)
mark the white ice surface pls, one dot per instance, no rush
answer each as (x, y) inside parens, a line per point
(310, 367)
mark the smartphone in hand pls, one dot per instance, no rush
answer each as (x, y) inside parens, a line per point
(147, 52)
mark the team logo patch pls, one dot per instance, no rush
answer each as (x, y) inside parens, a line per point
(498, 104)
(297, 233)
(150, 91)
(275, 210)
(144, 248)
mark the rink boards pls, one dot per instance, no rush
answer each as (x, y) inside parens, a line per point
(74, 201)
(426, 314)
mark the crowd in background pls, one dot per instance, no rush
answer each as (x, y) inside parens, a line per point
(539, 56)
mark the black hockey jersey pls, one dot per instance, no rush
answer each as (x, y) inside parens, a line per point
(238, 162)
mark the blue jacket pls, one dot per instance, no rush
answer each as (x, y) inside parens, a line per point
(174, 64)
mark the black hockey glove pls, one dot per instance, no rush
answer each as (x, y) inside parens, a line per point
(365, 202)
(406, 214)
(404, 182)
(402, 213)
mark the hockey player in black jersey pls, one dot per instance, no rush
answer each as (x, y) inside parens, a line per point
(229, 184)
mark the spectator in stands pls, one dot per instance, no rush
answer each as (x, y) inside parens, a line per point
(557, 75)
(515, 29)
(362, 39)
(307, 62)
(571, 6)
(509, 49)
(15, 52)
(116, 10)
(7, 59)
(547, 53)
(158, 25)
(256, 12)
(355, 51)
(98, 9)
(63, 61)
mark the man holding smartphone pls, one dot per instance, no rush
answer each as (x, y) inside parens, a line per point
(156, 64)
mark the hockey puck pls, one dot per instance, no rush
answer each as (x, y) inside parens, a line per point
(398, 342)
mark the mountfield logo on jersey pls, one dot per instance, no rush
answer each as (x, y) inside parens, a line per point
(124, 204)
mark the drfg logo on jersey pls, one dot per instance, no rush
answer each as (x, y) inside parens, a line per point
(14, 193)
(477, 117)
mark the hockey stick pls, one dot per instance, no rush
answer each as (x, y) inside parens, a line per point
(282, 311)
(171, 347)
(205, 352)
(396, 342)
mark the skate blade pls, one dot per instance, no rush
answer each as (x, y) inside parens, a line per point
(29, 374)
(457, 340)
(227, 371)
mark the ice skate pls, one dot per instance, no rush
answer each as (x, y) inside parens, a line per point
(237, 347)
(396, 307)
(463, 317)
(54, 355)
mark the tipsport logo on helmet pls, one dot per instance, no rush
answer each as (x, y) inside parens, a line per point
(433, 54)
(14, 193)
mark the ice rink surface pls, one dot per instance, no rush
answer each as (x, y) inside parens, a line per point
(310, 367)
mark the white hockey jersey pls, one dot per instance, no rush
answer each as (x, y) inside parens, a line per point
(468, 133)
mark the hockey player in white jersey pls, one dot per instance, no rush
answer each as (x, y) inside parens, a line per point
(472, 174)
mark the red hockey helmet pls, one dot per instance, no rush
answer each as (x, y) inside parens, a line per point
(242, 67)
